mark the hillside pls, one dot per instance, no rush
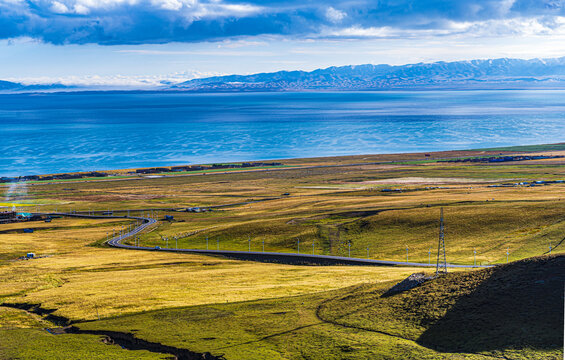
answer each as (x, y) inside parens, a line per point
(513, 310)
(494, 73)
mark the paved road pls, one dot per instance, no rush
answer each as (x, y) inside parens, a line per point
(287, 258)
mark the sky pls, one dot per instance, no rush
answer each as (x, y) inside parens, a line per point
(146, 42)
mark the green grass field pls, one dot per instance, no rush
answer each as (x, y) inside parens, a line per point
(274, 311)
(431, 322)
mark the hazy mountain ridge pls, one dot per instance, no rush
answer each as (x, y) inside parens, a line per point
(460, 74)
(16, 87)
(8, 85)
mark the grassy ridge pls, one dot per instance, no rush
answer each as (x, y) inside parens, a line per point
(514, 310)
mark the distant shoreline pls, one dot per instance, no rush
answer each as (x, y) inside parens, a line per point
(282, 164)
(72, 90)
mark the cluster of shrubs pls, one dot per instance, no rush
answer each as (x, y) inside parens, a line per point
(156, 170)
(502, 158)
(54, 177)
(204, 167)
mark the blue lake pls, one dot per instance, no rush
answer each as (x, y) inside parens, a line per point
(62, 132)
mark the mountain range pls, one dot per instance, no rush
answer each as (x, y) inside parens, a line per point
(501, 73)
(495, 73)
(19, 87)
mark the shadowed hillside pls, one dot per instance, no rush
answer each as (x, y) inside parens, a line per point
(501, 310)
(519, 305)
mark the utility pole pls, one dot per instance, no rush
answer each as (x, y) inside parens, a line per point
(507, 253)
(206, 242)
(263, 245)
(441, 266)
(429, 256)
(367, 252)
(299, 245)
(176, 242)
(349, 249)
(406, 253)
(474, 257)
(249, 243)
(312, 247)
(550, 248)
(218, 243)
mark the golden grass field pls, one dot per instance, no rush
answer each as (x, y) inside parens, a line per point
(77, 279)
(331, 207)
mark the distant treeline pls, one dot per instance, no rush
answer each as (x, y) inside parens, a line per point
(203, 167)
(55, 177)
(157, 170)
(494, 159)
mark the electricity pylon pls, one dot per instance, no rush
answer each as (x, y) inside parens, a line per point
(441, 267)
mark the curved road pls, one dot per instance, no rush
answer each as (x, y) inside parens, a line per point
(287, 258)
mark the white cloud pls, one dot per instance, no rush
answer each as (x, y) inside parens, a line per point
(212, 52)
(173, 5)
(234, 44)
(217, 9)
(539, 26)
(335, 15)
(81, 9)
(113, 22)
(117, 81)
(59, 8)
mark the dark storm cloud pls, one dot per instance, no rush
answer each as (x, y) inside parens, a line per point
(161, 21)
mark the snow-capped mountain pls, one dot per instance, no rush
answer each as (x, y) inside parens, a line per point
(496, 73)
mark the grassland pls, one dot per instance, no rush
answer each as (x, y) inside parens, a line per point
(542, 147)
(434, 321)
(256, 310)
(80, 280)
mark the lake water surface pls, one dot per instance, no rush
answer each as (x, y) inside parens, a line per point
(62, 132)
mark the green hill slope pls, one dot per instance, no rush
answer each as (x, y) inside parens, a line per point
(513, 310)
